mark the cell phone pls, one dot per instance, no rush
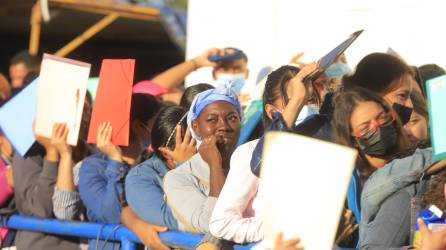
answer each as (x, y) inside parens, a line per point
(327, 60)
(237, 54)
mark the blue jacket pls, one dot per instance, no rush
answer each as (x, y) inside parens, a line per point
(101, 189)
(387, 199)
(145, 194)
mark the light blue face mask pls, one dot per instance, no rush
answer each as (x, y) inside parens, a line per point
(237, 80)
(307, 110)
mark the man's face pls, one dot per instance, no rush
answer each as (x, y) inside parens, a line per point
(17, 73)
(238, 66)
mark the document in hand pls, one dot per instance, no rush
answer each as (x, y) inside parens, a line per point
(61, 94)
(436, 94)
(17, 117)
(303, 186)
(113, 100)
(327, 60)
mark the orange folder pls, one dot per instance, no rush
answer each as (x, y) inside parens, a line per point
(113, 100)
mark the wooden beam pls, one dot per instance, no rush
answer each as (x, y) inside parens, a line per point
(137, 16)
(93, 30)
(36, 21)
(108, 6)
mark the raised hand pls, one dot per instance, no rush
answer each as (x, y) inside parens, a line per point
(297, 88)
(292, 244)
(432, 240)
(104, 143)
(203, 59)
(59, 139)
(296, 60)
(210, 153)
(184, 148)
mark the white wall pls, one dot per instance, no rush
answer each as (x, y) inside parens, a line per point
(272, 31)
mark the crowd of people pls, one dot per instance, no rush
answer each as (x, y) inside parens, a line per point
(185, 170)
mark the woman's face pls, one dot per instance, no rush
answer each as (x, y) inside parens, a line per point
(222, 120)
(365, 120)
(365, 115)
(417, 129)
(401, 93)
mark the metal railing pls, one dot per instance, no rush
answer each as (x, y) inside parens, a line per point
(94, 230)
(110, 232)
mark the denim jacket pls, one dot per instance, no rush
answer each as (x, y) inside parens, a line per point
(145, 193)
(387, 198)
(101, 189)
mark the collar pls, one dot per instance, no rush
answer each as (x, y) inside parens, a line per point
(199, 168)
(157, 165)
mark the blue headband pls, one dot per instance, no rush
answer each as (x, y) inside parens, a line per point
(203, 99)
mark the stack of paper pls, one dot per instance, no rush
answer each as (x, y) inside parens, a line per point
(303, 187)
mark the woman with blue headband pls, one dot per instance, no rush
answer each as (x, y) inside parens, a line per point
(192, 189)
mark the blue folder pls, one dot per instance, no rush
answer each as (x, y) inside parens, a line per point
(436, 94)
(17, 117)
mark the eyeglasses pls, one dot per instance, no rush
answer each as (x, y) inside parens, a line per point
(366, 130)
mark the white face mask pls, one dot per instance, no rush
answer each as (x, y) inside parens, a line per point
(237, 80)
(307, 110)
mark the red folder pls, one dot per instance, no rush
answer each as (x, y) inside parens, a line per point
(113, 100)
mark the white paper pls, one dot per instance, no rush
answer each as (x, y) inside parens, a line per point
(61, 95)
(304, 183)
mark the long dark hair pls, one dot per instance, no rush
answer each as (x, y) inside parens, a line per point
(144, 107)
(345, 103)
(276, 87)
(165, 127)
(377, 72)
(435, 194)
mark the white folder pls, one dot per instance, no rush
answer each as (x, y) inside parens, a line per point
(61, 94)
(303, 187)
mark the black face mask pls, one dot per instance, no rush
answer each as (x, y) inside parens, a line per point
(381, 143)
(403, 112)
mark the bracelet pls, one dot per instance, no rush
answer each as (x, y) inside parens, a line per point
(195, 64)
